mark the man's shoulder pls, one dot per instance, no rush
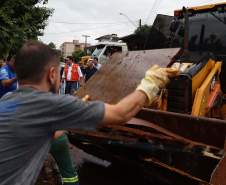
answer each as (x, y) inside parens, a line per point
(4, 73)
(51, 98)
(46, 96)
(33, 95)
(4, 68)
(38, 99)
(7, 69)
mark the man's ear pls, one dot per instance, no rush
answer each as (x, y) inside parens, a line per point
(52, 75)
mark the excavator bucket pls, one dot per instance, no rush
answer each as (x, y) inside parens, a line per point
(166, 148)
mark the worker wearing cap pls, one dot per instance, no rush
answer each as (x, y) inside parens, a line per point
(72, 75)
(31, 115)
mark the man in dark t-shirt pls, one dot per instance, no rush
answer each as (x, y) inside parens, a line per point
(31, 115)
(90, 70)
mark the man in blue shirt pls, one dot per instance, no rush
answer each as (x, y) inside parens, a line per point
(8, 80)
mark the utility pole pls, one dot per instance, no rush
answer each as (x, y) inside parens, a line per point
(186, 30)
(140, 24)
(86, 36)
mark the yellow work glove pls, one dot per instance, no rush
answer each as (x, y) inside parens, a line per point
(155, 78)
(86, 98)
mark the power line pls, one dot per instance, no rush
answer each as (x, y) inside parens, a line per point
(76, 31)
(114, 31)
(64, 22)
(154, 6)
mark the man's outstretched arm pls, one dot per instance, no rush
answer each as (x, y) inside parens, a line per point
(127, 108)
(70, 112)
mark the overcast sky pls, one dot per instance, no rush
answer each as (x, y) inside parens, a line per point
(73, 18)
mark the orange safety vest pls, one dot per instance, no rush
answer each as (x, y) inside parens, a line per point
(74, 72)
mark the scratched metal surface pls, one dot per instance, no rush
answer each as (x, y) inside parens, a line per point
(121, 75)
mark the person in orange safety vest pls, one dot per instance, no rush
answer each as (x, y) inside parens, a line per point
(72, 75)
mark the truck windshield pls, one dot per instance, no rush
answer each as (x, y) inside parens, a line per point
(207, 32)
(98, 50)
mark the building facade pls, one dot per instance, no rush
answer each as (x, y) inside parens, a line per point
(67, 48)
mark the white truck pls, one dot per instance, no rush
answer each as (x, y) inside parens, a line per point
(107, 45)
(104, 50)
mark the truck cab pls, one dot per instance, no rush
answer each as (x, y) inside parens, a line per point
(104, 50)
(107, 45)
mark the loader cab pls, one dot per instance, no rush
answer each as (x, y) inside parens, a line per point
(201, 32)
(206, 28)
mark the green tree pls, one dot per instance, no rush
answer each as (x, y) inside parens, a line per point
(78, 54)
(144, 30)
(52, 45)
(21, 20)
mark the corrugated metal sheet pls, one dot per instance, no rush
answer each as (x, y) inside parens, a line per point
(121, 75)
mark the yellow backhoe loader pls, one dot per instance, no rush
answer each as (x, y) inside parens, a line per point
(181, 142)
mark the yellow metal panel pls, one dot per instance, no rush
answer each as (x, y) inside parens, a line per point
(198, 79)
(207, 7)
(202, 94)
(204, 7)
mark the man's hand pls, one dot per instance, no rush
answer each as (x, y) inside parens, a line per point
(58, 134)
(155, 79)
(86, 98)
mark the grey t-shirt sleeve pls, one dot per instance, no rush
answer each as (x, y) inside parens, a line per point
(71, 112)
